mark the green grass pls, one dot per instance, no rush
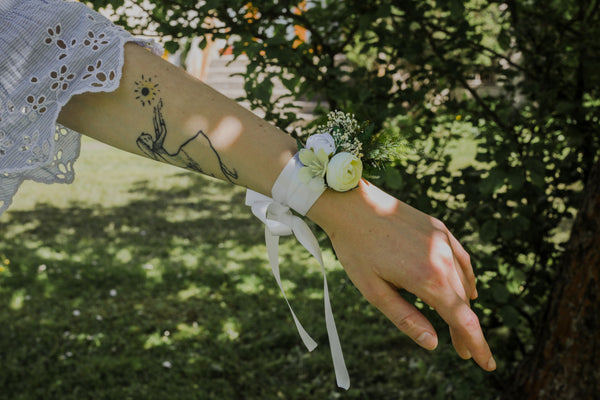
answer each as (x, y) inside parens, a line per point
(142, 281)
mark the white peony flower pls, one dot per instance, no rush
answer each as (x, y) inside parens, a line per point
(344, 171)
(320, 141)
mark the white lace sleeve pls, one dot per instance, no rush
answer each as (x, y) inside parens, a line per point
(51, 50)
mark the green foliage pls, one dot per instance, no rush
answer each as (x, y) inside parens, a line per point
(517, 80)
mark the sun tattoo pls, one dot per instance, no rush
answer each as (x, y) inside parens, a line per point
(146, 90)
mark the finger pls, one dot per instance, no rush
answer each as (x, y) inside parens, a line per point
(464, 260)
(458, 344)
(405, 316)
(466, 329)
(458, 282)
(447, 263)
(464, 288)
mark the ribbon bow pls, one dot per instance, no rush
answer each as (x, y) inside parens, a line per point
(279, 221)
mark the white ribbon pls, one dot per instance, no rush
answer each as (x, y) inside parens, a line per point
(288, 189)
(279, 221)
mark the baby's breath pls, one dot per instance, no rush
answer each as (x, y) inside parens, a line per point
(345, 130)
(353, 146)
(345, 121)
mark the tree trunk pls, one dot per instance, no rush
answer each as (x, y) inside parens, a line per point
(564, 362)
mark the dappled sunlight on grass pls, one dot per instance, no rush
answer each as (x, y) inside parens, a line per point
(193, 291)
(230, 330)
(191, 331)
(157, 339)
(17, 299)
(250, 284)
(162, 289)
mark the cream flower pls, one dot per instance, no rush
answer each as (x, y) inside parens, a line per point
(343, 172)
(320, 141)
(315, 168)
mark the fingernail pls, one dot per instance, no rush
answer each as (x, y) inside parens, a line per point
(427, 340)
(491, 364)
(475, 294)
(467, 355)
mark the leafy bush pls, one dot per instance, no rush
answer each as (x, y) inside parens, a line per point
(500, 101)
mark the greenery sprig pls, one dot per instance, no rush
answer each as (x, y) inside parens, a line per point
(338, 152)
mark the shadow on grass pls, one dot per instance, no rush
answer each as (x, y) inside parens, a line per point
(171, 297)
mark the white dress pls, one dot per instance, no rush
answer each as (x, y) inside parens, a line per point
(50, 50)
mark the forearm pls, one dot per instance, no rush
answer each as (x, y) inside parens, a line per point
(161, 112)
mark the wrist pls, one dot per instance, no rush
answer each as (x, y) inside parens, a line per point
(333, 208)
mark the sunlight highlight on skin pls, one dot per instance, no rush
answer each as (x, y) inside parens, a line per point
(441, 253)
(226, 133)
(195, 123)
(382, 203)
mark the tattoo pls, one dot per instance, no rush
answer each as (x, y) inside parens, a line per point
(153, 147)
(146, 90)
(230, 174)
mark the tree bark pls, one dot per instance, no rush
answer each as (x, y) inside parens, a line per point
(564, 362)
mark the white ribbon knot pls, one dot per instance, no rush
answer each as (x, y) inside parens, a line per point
(280, 221)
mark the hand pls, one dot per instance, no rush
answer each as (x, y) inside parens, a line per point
(384, 244)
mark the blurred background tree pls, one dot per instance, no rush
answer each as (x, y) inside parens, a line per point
(500, 102)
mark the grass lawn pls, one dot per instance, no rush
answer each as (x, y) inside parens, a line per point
(142, 281)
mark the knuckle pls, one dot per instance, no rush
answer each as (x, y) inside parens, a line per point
(471, 322)
(406, 322)
(403, 319)
(439, 225)
(434, 278)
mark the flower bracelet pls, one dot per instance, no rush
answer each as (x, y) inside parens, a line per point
(330, 158)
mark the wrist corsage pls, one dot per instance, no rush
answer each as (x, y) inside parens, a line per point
(334, 157)
(335, 154)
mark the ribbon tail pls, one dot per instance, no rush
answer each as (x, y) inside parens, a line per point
(279, 221)
(341, 372)
(272, 242)
(309, 241)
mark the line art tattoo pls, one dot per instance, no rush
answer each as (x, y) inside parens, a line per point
(153, 147)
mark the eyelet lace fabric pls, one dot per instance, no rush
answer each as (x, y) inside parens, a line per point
(51, 50)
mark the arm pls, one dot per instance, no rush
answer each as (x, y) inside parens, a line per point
(161, 112)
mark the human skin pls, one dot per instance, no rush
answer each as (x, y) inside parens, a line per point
(383, 244)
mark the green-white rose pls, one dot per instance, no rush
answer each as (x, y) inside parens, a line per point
(344, 171)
